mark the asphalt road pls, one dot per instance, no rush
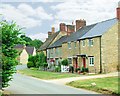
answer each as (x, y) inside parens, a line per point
(22, 84)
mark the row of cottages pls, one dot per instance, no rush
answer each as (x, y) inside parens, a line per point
(24, 52)
(94, 46)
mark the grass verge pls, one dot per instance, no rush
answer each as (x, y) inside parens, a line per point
(46, 75)
(108, 85)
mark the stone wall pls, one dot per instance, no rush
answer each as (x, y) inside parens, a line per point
(109, 44)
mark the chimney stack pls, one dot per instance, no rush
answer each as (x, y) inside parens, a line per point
(118, 11)
(79, 24)
(53, 30)
(70, 29)
(62, 27)
(49, 34)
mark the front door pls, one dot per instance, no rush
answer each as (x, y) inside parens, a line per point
(75, 63)
(84, 62)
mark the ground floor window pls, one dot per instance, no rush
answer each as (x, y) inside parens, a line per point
(69, 60)
(91, 61)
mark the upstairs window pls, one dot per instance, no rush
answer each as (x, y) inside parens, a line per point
(69, 45)
(91, 61)
(75, 44)
(90, 42)
(83, 43)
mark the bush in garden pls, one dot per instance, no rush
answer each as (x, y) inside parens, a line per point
(30, 64)
(65, 62)
(57, 69)
(45, 65)
(84, 69)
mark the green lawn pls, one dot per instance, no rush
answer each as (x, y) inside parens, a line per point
(46, 75)
(107, 85)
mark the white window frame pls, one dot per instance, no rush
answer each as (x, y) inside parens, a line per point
(69, 45)
(91, 61)
(83, 43)
(68, 60)
(90, 42)
(75, 44)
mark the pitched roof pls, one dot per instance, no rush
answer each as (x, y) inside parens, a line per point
(74, 36)
(58, 42)
(29, 50)
(19, 46)
(100, 28)
(48, 41)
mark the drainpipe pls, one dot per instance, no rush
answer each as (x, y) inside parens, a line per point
(100, 57)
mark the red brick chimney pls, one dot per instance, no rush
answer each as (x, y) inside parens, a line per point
(70, 29)
(53, 30)
(80, 23)
(62, 27)
(118, 11)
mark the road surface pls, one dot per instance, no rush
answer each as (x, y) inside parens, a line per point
(22, 84)
(28, 85)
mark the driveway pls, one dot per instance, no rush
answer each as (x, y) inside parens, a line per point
(22, 84)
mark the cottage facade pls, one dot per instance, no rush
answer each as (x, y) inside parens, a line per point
(95, 47)
(24, 52)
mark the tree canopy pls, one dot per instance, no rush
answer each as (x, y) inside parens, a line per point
(10, 37)
(29, 42)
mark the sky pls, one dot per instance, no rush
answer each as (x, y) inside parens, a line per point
(36, 17)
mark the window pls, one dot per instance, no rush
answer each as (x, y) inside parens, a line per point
(83, 43)
(69, 45)
(75, 44)
(56, 52)
(69, 60)
(91, 61)
(47, 52)
(90, 42)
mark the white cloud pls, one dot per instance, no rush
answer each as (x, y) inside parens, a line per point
(90, 10)
(41, 36)
(25, 15)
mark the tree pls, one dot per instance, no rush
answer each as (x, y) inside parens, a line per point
(10, 37)
(26, 39)
(36, 43)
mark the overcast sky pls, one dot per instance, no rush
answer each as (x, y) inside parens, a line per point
(38, 16)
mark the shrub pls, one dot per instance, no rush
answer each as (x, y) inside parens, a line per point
(77, 69)
(45, 64)
(65, 62)
(84, 69)
(30, 64)
(57, 69)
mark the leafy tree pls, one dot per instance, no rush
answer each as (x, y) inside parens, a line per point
(26, 39)
(36, 43)
(10, 37)
(37, 60)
